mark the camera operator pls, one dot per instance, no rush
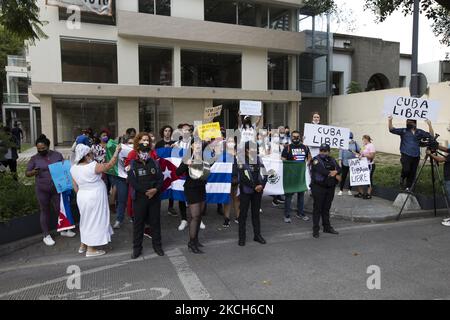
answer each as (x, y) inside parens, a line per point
(410, 148)
(446, 160)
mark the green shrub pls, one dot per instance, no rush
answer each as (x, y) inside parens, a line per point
(17, 199)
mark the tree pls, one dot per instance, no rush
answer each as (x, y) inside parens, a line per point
(354, 87)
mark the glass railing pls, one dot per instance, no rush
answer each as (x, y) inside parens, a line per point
(17, 61)
(16, 98)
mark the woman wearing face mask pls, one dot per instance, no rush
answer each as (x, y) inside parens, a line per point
(230, 156)
(45, 189)
(247, 128)
(92, 200)
(315, 120)
(368, 151)
(146, 179)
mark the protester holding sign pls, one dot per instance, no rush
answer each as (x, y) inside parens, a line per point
(344, 156)
(247, 129)
(368, 151)
(315, 120)
(45, 188)
(410, 148)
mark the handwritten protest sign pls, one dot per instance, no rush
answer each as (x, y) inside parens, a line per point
(103, 7)
(317, 134)
(250, 108)
(411, 108)
(209, 131)
(211, 113)
(61, 176)
(359, 172)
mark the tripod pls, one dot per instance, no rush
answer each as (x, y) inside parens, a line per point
(434, 171)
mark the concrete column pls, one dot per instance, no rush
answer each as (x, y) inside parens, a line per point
(293, 113)
(254, 69)
(127, 114)
(177, 66)
(128, 62)
(47, 119)
(292, 72)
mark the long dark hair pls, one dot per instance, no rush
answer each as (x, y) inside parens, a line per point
(43, 139)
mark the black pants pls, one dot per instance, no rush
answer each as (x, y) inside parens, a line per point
(409, 168)
(12, 164)
(247, 200)
(345, 171)
(323, 197)
(146, 211)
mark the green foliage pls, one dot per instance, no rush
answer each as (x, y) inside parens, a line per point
(354, 87)
(318, 7)
(17, 199)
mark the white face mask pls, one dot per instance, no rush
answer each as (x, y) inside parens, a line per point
(230, 145)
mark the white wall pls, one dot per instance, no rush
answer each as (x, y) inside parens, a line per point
(128, 5)
(191, 9)
(343, 63)
(405, 70)
(254, 69)
(431, 71)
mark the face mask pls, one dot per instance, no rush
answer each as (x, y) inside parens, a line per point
(296, 141)
(323, 156)
(410, 126)
(43, 152)
(145, 147)
(282, 135)
(105, 139)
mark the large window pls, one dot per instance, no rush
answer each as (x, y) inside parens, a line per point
(91, 17)
(210, 69)
(73, 115)
(159, 7)
(275, 114)
(278, 69)
(248, 13)
(155, 66)
(88, 61)
(154, 114)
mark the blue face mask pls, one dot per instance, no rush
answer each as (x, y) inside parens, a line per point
(323, 156)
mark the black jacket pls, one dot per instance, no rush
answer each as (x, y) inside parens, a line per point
(145, 176)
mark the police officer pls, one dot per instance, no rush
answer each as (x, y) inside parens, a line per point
(252, 181)
(325, 174)
(146, 178)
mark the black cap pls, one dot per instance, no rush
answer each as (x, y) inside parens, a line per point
(324, 147)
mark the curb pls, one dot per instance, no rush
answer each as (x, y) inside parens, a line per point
(387, 218)
(9, 248)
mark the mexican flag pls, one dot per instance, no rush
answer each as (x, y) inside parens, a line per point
(284, 176)
(119, 168)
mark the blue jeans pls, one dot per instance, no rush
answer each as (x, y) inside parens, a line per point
(300, 204)
(122, 197)
(447, 187)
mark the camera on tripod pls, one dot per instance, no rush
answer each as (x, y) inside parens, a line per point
(430, 143)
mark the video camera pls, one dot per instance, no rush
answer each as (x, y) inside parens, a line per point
(430, 143)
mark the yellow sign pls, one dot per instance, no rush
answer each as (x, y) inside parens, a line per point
(209, 131)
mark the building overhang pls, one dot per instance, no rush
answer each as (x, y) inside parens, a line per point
(88, 90)
(149, 27)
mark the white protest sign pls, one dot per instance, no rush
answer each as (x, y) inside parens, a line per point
(359, 172)
(250, 108)
(212, 112)
(411, 108)
(317, 134)
(101, 7)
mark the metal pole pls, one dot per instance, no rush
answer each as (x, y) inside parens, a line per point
(415, 51)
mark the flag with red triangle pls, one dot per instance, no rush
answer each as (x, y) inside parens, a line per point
(65, 219)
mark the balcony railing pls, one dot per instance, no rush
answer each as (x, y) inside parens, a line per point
(18, 98)
(17, 61)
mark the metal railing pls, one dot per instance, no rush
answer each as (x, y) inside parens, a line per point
(16, 98)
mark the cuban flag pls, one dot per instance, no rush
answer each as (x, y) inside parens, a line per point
(218, 187)
(65, 219)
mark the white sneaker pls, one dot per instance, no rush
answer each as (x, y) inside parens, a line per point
(49, 241)
(68, 234)
(446, 223)
(446, 220)
(182, 225)
(116, 225)
(339, 193)
(350, 193)
(202, 225)
(260, 211)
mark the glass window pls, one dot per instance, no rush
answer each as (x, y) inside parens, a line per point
(154, 114)
(229, 116)
(278, 69)
(275, 114)
(73, 115)
(280, 18)
(88, 61)
(209, 69)
(159, 7)
(91, 17)
(155, 66)
(220, 11)
(247, 14)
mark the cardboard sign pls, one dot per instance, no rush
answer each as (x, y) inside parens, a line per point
(250, 108)
(317, 134)
(359, 172)
(61, 176)
(211, 113)
(209, 131)
(100, 7)
(411, 108)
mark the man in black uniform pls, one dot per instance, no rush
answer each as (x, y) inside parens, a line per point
(146, 178)
(325, 174)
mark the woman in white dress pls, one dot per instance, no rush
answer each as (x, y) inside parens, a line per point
(92, 200)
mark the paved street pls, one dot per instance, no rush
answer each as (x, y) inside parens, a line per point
(412, 256)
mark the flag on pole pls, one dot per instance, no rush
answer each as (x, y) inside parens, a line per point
(65, 219)
(284, 176)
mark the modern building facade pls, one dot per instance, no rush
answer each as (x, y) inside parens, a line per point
(158, 62)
